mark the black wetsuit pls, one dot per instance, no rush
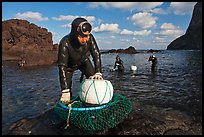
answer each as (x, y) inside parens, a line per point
(72, 56)
(119, 64)
(154, 61)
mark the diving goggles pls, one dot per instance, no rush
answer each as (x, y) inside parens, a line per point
(84, 28)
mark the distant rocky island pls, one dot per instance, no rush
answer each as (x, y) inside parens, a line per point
(129, 50)
(192, 39)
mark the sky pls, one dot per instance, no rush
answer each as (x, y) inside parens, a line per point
(116, 25)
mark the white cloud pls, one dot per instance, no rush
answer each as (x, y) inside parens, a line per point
(142, 6)
(143, 19)
(173, 33)
(166, 34)
(161, 43)
(107, 27)
(168, 26)
(158, 11)
(89, 18)
(55, 37)
(66, 25)
(182, 8)
(113, 37)
(31, 16)
(64, 18)
(170, 30)
(126, 32)
(143, 32)
(71, 18)
(159, 40)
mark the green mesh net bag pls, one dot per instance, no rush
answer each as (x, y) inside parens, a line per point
(95, 118)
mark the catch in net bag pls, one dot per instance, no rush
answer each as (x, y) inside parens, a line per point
(106, 110)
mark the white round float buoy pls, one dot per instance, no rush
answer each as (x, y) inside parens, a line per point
(96, 91)
(133, 68)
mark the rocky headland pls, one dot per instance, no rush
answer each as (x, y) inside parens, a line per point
(192, 39)
(27, 44)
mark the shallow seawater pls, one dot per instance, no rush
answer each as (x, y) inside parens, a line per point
(176, 83)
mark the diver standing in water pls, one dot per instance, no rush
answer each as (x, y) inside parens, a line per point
(73, 54)
(118, 64)
(153, 59)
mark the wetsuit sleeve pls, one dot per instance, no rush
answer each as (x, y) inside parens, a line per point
(95, 53)
(114, 65)
(156, 60)
(62, 64)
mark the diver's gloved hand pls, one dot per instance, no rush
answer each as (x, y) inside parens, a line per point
(97, 76)
(65, 98)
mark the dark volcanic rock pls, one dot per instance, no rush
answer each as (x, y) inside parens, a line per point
(24, 41)
(192, 39)
(143, 120)
(129, 50)
(152, 51)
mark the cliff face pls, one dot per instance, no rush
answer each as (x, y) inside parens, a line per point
(192, 39)
(22, 40)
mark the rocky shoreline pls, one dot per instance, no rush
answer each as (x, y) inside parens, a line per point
(143, 120)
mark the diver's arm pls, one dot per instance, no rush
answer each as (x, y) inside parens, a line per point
(62, 64)
(114, 66)
(94, 50)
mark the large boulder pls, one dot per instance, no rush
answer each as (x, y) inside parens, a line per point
(25, 41)
(192, 39)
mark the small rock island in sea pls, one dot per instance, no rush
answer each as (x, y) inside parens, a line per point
(129, 50)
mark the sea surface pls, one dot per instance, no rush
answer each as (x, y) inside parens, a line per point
(176, 83)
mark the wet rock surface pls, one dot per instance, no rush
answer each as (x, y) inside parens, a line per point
(144, 120)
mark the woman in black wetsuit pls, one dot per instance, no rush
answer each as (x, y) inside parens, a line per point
(119, 64)
(73, 54)
(153, 59)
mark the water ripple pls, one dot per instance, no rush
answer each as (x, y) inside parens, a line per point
(176, 84)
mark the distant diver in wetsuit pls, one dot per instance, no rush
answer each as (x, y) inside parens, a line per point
(118, 64)
(73, 54)
(153, 59)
